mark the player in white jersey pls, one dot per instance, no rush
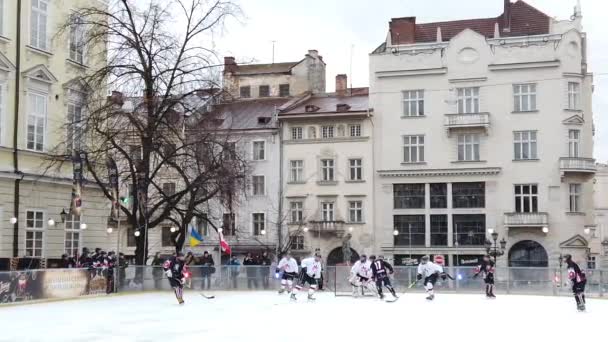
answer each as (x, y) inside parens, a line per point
(430, 272)
(289, 266)
(361, 276)
(309, 274)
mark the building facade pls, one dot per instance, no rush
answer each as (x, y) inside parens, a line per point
(484, 126)
(599, 233)
(40, 92)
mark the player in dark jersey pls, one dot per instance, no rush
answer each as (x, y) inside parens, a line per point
(578, 279)
(174, 269)
(380, 274)
(486, 269)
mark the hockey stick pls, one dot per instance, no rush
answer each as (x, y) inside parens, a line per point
(206, 297)
(412, 284)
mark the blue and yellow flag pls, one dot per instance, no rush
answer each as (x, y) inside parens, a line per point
(195, 237)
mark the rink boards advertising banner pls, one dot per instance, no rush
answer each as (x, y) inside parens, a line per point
(20, 286)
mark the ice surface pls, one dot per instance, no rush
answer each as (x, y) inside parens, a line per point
(266, 316)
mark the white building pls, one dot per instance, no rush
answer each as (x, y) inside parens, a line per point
(484, 125)
(599, 235)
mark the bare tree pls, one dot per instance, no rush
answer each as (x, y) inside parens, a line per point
(154, 135)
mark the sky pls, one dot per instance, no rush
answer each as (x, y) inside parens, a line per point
(339, 29)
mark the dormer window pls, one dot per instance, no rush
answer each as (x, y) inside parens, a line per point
(263, 120)
(342, 107)
(311, 108)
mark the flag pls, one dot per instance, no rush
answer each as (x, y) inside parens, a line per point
(195, 237)
(225, 247)
(76, 203)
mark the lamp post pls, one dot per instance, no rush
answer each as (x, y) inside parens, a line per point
(492, 247)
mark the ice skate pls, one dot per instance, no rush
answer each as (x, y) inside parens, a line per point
(430, 297)
(293, 297)
(281, 291)
(311, 298)
(580, 307)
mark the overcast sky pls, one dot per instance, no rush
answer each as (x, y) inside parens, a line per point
(334, 27)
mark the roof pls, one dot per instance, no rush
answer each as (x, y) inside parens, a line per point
(269, 68)
(328, 103)
(244, 114)
(525, 20)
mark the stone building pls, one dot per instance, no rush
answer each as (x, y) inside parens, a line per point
(484, 125)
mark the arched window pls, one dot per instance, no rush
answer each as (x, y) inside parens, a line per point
(528, 253)
(336, 257)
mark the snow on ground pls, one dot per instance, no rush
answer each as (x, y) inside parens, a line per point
(268, 317)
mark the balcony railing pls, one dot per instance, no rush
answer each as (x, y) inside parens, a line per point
(526, 219)
(330, 227)
(577, 165)
(481, 120)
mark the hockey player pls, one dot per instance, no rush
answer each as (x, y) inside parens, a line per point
(289, 267)
(174, 268)
(380, 274)
(578, 279)
(486, 269)
(310, 274)
(430, 272)
(361, 275)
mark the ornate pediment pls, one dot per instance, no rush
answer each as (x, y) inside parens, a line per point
(574, 120)
(577, 241)
(5, 63)
(40, 73)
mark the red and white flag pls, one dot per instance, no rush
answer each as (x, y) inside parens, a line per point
(225, 247)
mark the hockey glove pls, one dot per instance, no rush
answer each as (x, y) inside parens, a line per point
(183, 280)
(444, 276)
(418, 276)
(475, 275)
(168, 273)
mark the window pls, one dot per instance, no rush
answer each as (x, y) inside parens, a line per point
(355, 211)
(169, 151)
(355, 167)
(297, 211)
(574, 143)
(296, 133)
(439, 195)
(575, 198)
(411, 230)
(526, 198)
(468, 147)
(413, 103)
(165, 239)
(259, 152)
(77, 39)
(296, 170)
(258, 185)
(75, 128)
(264, 91)
(72, 235)
(34, 233)
(202, 224)
(283, 90)
(36, 122)
(1, 98)
(439, 230)
(38, 24)
(413, 149)
(1, 17)
(591, 262)
(230, 151)
(468, 100)
(259, 224)
(245, 92)
(355, 130)
(131, 239)
(327, 132)
(297, 242)
(574, 93)
(408, 196)
(327, 170)
(524, 97)
(169, 189)
(469, 230)
(228, 224)
(524, 145)
(468, 195)
(327, 211)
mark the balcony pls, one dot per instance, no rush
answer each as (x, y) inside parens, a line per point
(514, 220)
(335, 228)
(473, 120)
(577, 166)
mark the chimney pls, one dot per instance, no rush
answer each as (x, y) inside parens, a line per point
(439, 37)
(403, 30)
(506, 15)
(341, 84)
(313, 53)
(230, 65)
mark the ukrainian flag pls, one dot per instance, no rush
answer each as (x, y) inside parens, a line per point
(195, 238)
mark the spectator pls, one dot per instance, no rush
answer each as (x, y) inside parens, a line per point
(157, 271)
(67, 261)
(234, 266)
(252, 271)
(110, 263)
(265, 262)
(84, 260)
(207, 269)
(190, 259)
(122, 265)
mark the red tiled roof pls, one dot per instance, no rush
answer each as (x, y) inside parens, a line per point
(525, 20)
(328, 103)
(271, 68)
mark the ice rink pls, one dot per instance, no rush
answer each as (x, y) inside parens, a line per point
(266, 316)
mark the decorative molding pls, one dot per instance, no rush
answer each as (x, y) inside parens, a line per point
(325, 141)
(5, 63)
(477, 171)
(296, 196)
(411, 72)
(40, 73)
(356, 195)
(470, 79)
(524, 65)
(577, 241)
(574, 120)
(573, 74)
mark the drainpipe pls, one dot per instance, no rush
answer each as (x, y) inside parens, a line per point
(16, 133)
(280, 216)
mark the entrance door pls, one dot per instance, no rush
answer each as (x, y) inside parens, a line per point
(528, 253)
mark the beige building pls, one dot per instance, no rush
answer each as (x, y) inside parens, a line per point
(40, 93)
(486, 126)
(599, 234)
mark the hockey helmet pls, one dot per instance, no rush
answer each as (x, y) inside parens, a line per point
(372, 257)
(567, 257)
(424, 259)
(381, 257)
(363, 257)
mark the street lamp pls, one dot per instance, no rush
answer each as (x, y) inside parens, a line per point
(545, 229)
(13, 220)
(305, 229)
(395, 232)
(83, 226)
(350, 229)
(172, 229)
(109, 230)
(63, 215)
(587, 230)
(137, 233)
(492, 247)
(263, 232)
(50, 222)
